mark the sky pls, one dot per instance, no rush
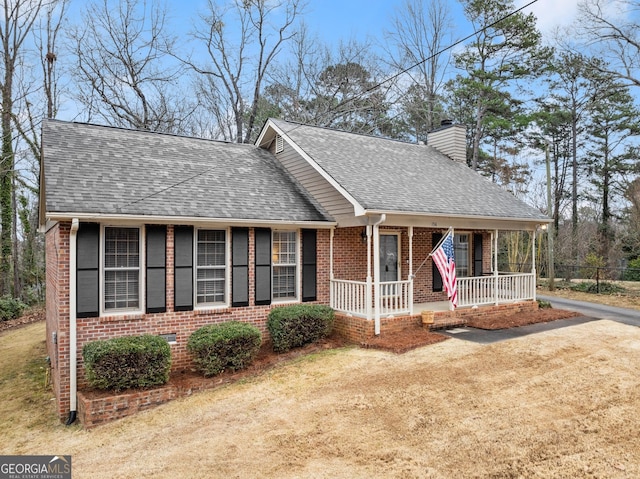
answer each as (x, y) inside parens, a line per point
(334, 20)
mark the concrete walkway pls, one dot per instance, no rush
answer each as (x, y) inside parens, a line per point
(591, 312)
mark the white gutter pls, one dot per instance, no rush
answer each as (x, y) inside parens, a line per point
(376, 272)
(73, 344)
(183, 220)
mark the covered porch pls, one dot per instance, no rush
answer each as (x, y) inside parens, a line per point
(413, 290)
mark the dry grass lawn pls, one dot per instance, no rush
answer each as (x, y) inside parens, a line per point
(560, 404)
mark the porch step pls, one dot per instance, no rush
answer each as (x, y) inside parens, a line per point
(443, 320)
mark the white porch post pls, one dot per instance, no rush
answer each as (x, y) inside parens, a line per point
(533, 262)
(410, 277)
(368, 298)
(376, 278)
(495, 266)
(331, 275)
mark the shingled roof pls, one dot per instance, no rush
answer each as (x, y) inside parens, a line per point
(91, 169)
(392, 176)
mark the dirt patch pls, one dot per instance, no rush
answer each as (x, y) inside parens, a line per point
(522, 319)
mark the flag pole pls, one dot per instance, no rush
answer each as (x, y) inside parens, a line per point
(434, 248)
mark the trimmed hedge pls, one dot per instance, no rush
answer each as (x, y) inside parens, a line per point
(127, 362)
(299, 324)
(229, 346)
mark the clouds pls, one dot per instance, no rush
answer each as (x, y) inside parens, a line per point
(551, 13)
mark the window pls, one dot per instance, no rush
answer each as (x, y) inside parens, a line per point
(284, 247)
(121, 268)
(210, 266)
(461, 254)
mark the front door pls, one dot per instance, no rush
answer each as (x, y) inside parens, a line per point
(389, 254)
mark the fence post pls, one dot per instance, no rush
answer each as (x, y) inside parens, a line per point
(597, 280)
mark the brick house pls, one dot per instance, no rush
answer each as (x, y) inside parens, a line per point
(150, 233)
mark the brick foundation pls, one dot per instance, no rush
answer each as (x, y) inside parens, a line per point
(358, 330)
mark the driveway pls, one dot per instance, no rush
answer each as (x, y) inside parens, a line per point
(599, 311)
(590, 312)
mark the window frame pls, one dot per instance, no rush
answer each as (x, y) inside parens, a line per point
(469, 244)
(227, 269)
(104, 311)
(296, 265)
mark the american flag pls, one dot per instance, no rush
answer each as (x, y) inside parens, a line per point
(444, 260)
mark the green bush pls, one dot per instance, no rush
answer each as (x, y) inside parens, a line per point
(222, 347)
(598, 288)
(632, 273)
(127, 362)
(299, 324)
(544, 304)
(11, 308)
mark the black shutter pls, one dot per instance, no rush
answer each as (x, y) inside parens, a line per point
(156, 264)
(309, 265)
(240, 268)
(263, 266)
(437, 278)
(183, 269)
(88, 270)
(477, 254)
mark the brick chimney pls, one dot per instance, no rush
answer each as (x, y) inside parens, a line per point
(451, 140)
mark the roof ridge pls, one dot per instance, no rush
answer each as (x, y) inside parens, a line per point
(337, 130)
(151, 132)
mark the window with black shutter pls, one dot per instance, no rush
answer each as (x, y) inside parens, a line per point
(156, 268)
(88, 270)
(183, 268)
(309, 265)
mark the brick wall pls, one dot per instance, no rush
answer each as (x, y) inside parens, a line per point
(181, 323)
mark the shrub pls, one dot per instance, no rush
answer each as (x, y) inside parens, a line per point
(598, 288)
(544, 304)
(227, 346)
(11, 308)
(127, 362)
(632, 273)
(296, 325)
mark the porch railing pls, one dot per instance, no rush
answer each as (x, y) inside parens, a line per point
(354, 297)
(350, 296)
(502, 288)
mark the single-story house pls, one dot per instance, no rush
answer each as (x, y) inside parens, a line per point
(150, 233)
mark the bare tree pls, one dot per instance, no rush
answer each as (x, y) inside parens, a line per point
(421, 29)
(125, 76)
(18, 19)
(242, 39)
(612, 30)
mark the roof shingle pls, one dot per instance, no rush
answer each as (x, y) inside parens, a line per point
(389, 175)
(105, 170)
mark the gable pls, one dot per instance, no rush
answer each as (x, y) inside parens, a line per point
(389, 176)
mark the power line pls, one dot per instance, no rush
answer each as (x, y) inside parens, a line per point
(378, 85)
(393, 77)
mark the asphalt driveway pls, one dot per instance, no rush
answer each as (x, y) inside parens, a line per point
(590, 312)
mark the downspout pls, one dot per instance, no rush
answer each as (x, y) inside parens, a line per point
(73, 346)
(376, 272)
